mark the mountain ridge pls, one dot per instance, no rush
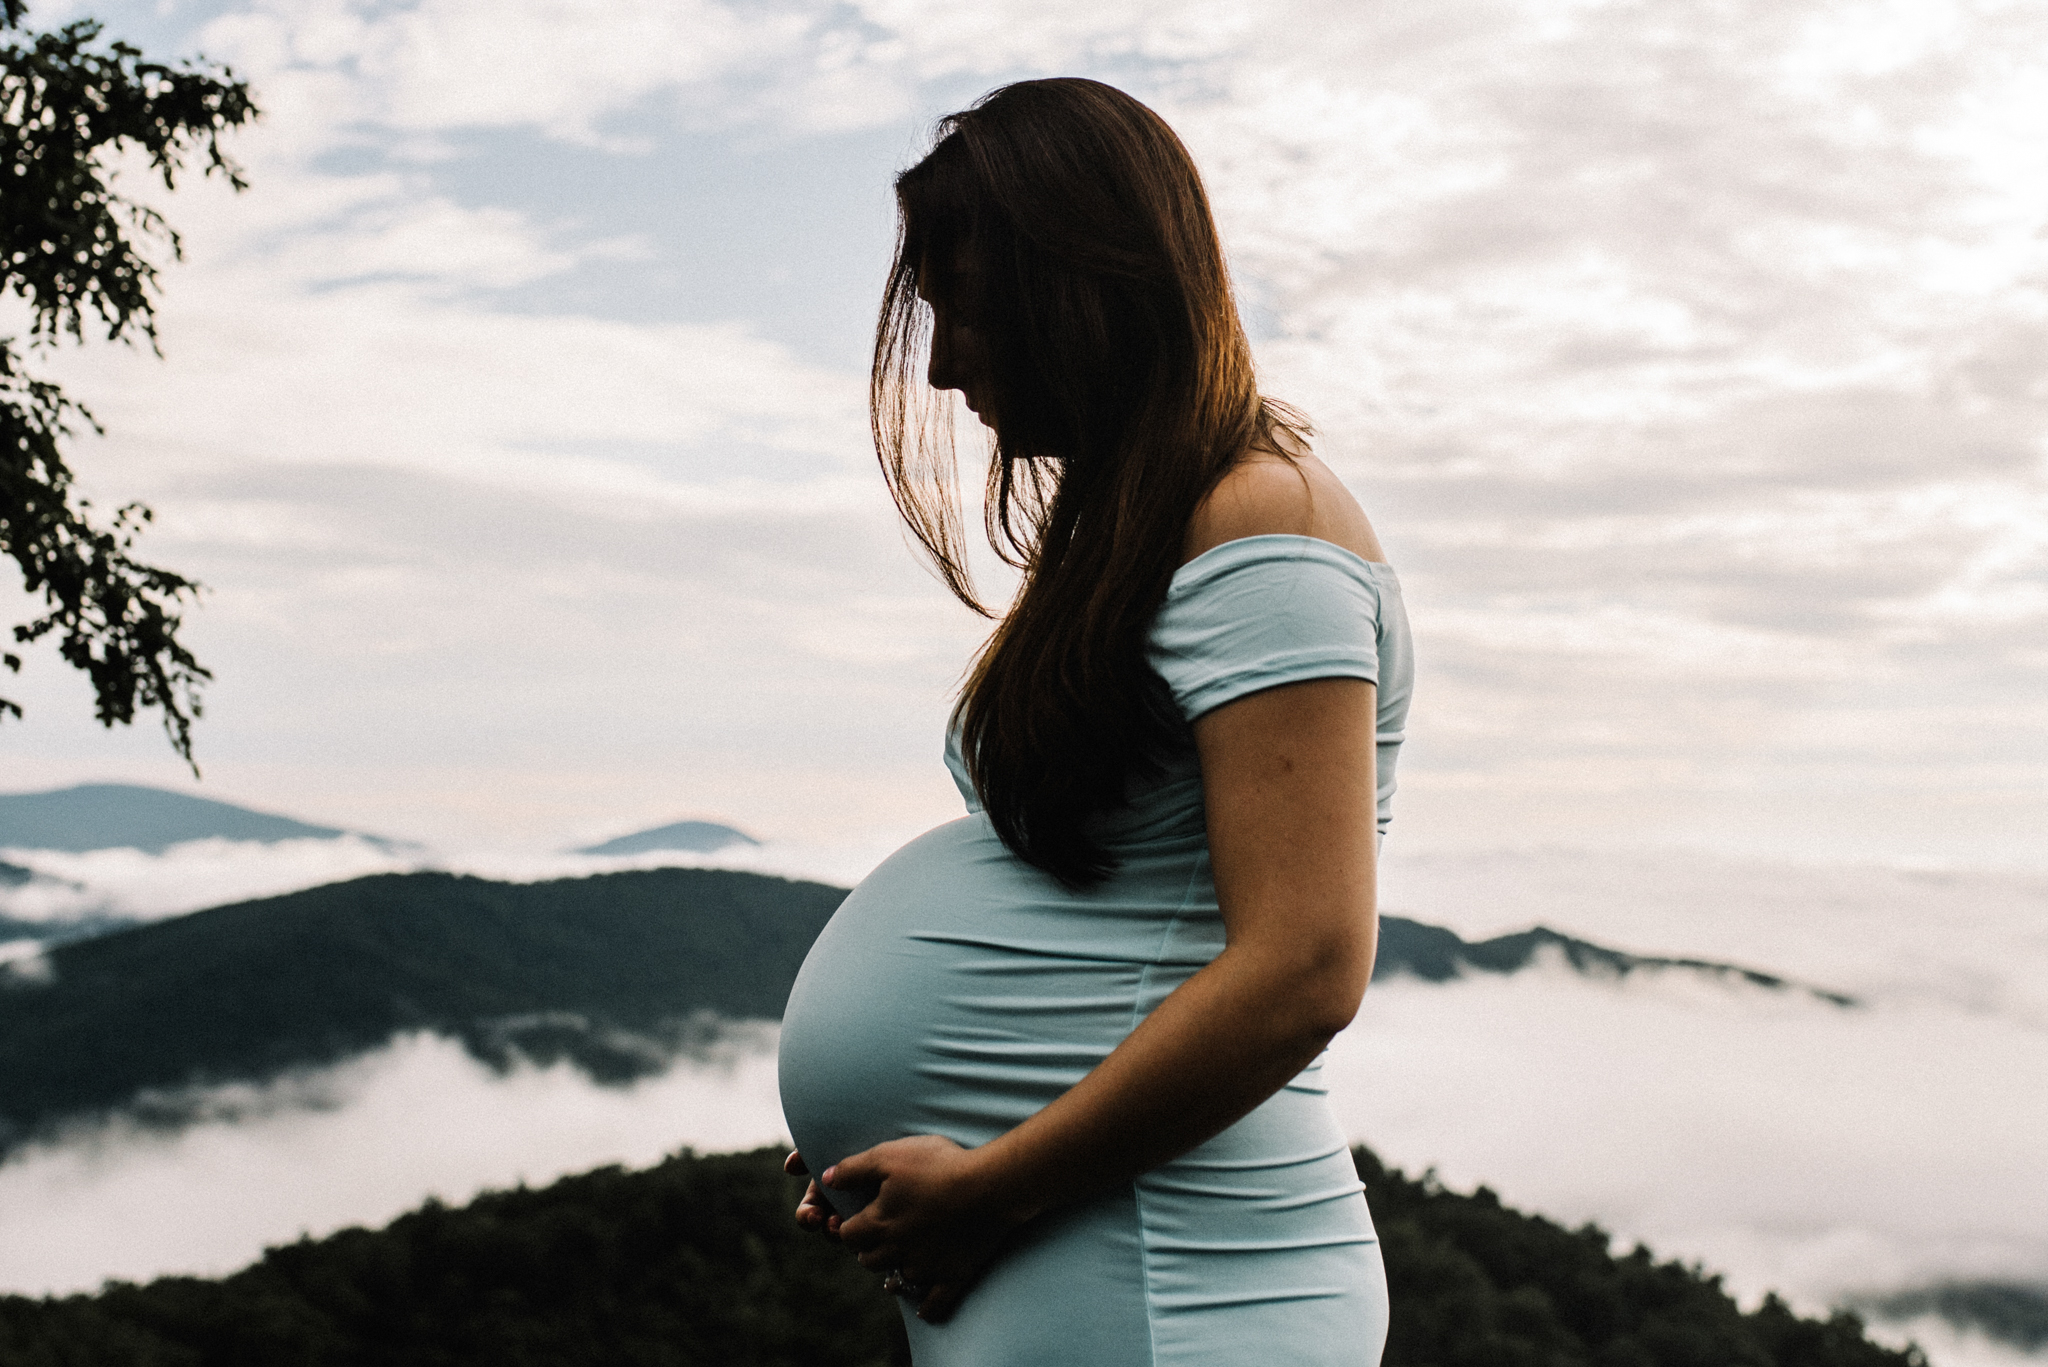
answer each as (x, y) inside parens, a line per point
(1435, 954)
(695, 837)
(105, 816)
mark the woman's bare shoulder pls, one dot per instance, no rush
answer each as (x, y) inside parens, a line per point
(1266, 494)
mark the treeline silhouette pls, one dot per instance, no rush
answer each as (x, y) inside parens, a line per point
(696, 1261)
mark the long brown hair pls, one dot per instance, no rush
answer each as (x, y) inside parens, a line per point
(1068, 225)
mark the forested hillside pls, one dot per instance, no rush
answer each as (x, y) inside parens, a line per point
(696, 1263)
(605, 970)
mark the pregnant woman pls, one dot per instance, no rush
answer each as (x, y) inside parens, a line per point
(1054, 1063)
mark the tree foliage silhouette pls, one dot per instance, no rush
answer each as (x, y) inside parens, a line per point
(696, 1261)
(77, 253)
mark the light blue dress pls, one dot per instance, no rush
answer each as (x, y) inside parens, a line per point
(958, 990)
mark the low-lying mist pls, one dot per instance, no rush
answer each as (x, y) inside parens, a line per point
(354, 1144)
(133, 885)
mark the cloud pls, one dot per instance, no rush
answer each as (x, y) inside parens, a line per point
(615, 416)
(557, 65)
(1817, 1154)
(358, 1144)
(135, 886)
(1924, 938)
(1007, 36)
(198, 873)
(23, 964)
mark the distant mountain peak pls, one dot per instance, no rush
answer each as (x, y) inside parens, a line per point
(693, 837)
(106, 816)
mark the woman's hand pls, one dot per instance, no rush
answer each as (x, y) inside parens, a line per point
(813, 1212)
(936, 1220)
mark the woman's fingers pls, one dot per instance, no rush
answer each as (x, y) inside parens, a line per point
(939, 1303)
(917, 1228)
(865, 1229)
(864, 1168)
(811, 1212)
(864, 1234)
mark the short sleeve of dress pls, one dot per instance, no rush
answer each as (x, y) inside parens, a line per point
(1267, 610)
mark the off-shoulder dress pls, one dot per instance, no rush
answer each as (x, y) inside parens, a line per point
(958, 990)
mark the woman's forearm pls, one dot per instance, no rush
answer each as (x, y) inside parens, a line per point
(1225, 1040)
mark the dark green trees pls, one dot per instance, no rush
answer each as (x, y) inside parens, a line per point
(73, 250)
(1476, 1283)
(696, 1261)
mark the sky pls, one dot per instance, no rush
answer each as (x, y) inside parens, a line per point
(1685, 355)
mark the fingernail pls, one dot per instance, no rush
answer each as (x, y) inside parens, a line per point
(829, 1173)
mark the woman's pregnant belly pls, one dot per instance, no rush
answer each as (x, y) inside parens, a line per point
(957, 990)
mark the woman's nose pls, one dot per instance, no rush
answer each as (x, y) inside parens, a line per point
(944, 370)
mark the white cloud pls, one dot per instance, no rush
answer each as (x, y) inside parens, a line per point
(1917, 938)
(1799, 1147)
(358, 1144)
(23, 964)
(1034, 35)
(562, 66)
(377, 376)
(186, 877)
(198, 874)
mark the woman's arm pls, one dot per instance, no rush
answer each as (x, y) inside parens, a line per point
(1287, 776)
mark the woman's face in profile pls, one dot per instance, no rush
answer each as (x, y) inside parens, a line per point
(959, 358)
